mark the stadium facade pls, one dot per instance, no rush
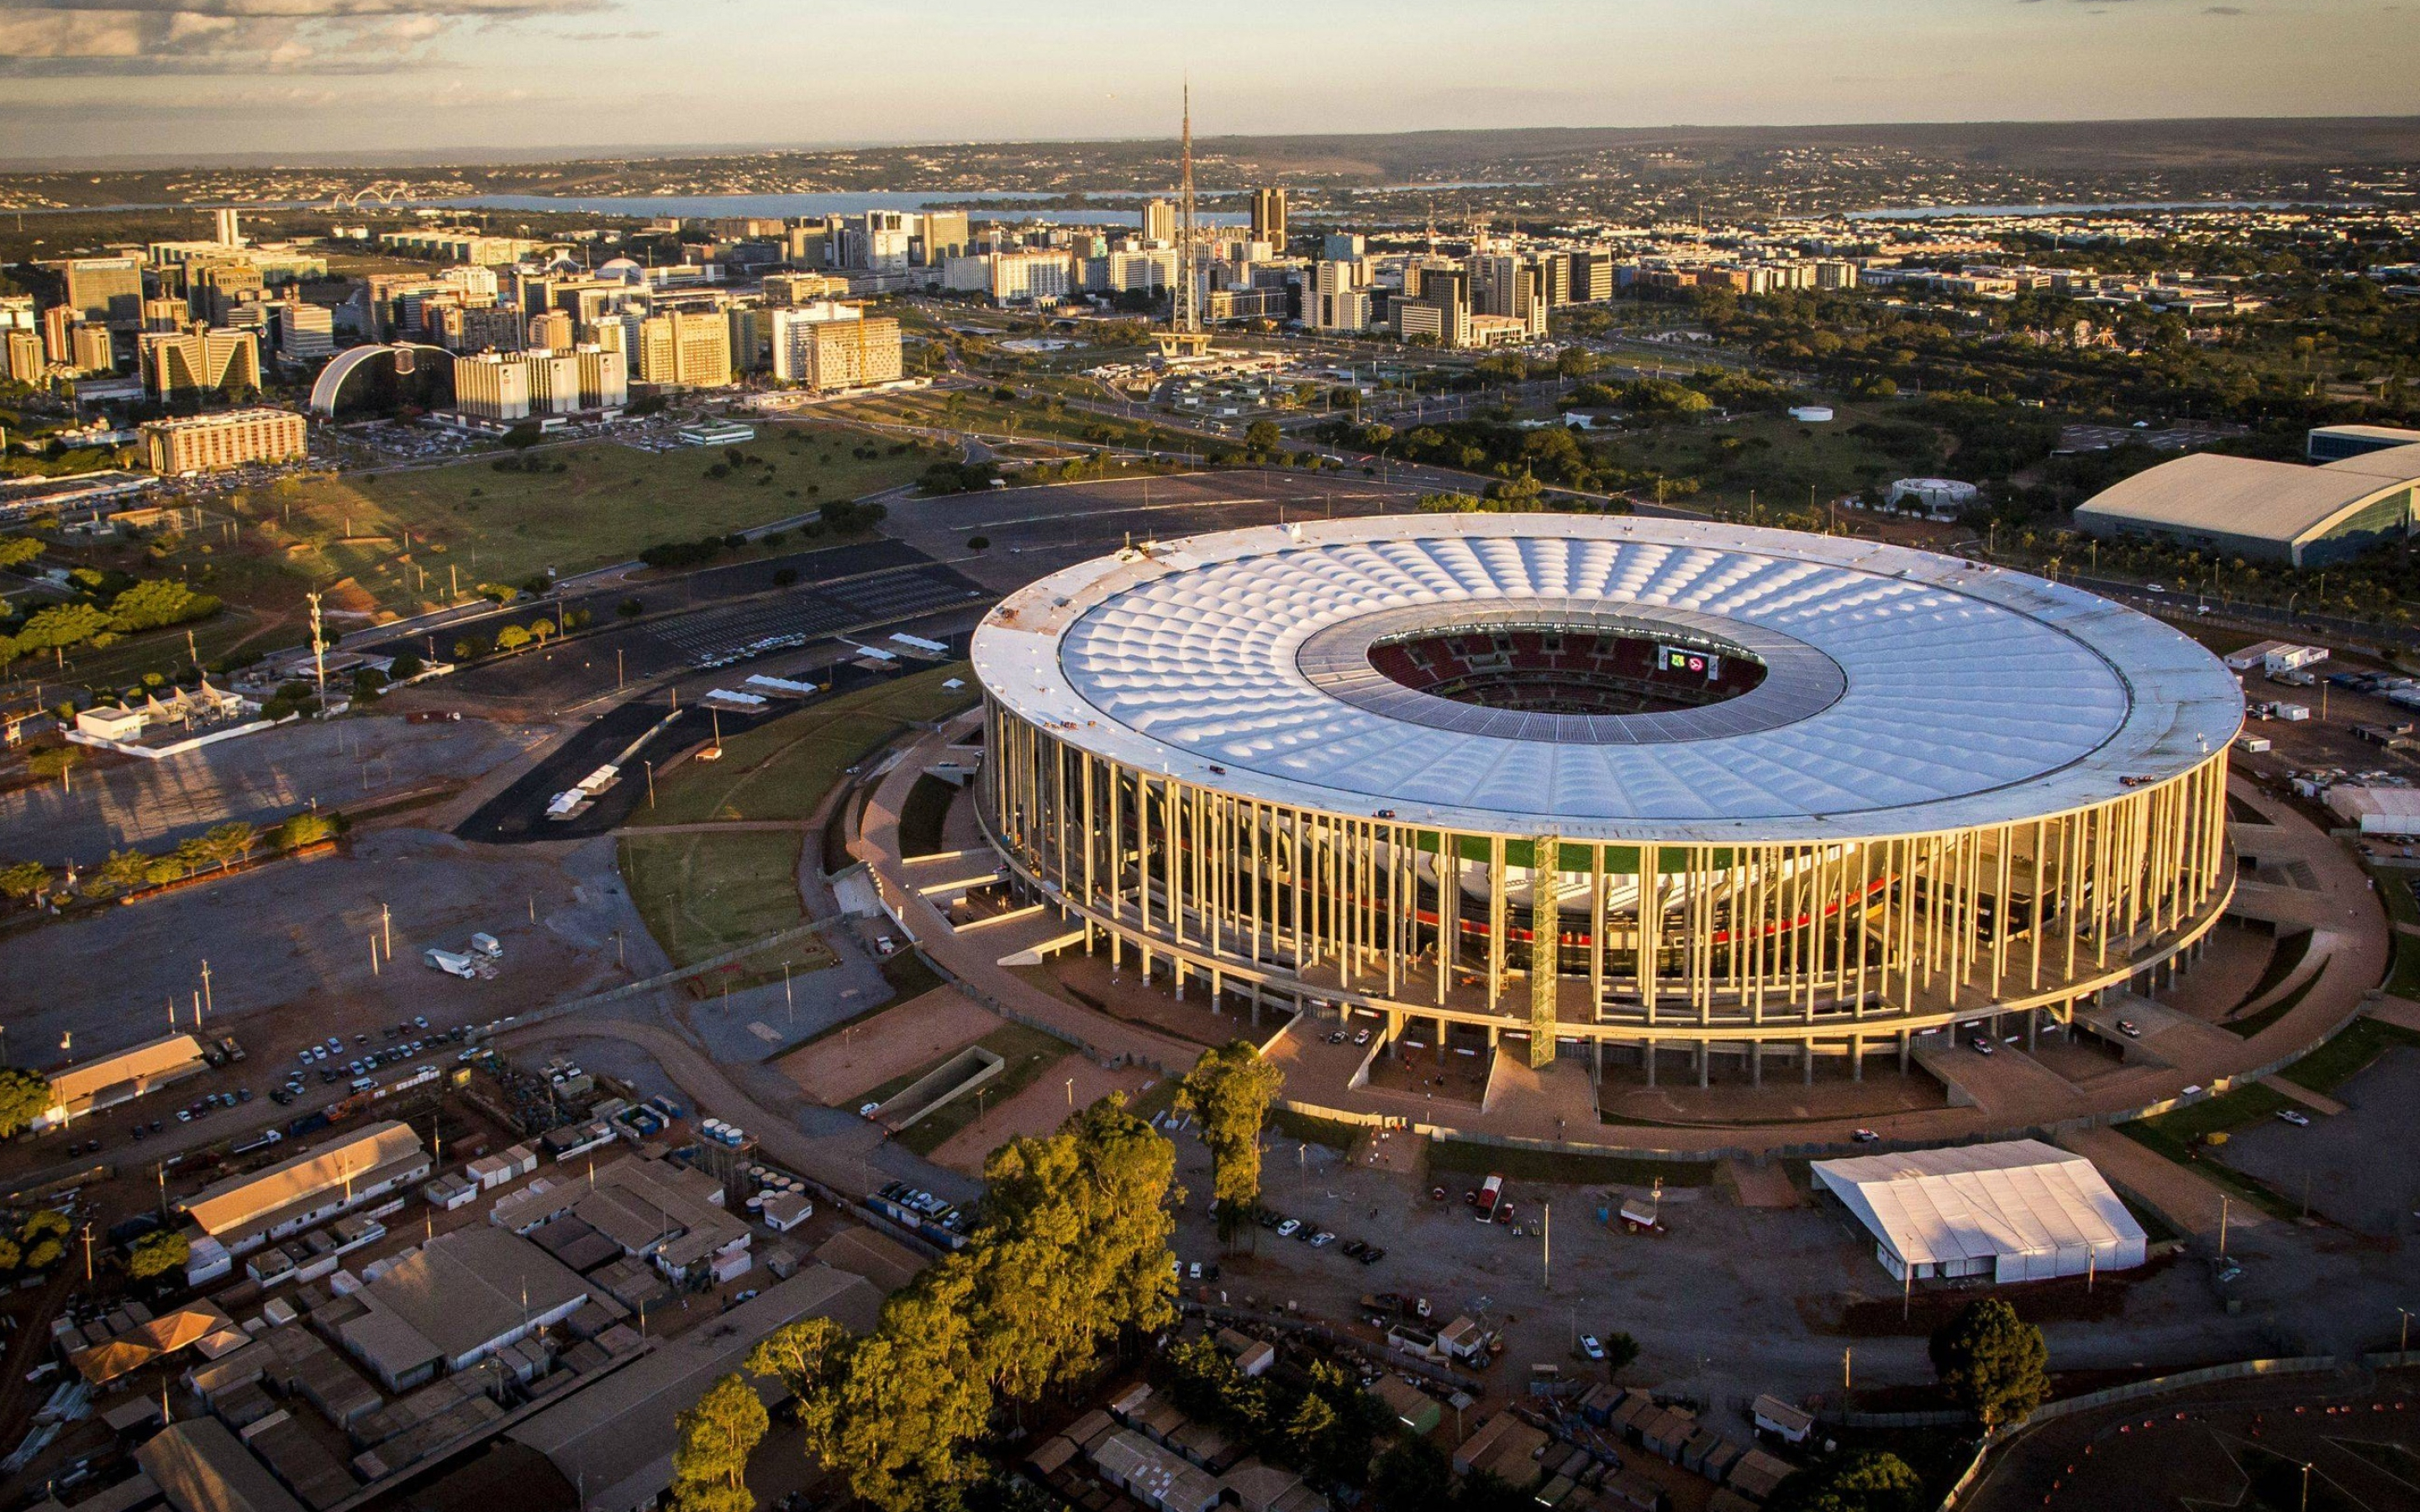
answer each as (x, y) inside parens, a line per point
(1652, 792)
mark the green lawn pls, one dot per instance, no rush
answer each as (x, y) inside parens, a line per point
(703, 894)
(783, 769)
(2349, 1053)
(408, 538)
(2180, 1135)
(1774, 456)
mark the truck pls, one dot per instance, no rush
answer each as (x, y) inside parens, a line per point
(450, 962)
(1486, 1198)
(488, 946)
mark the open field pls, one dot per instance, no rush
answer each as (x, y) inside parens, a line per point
(1040, 1108)
(783, 769)
(962, 410)
(839, 1070)
(703, 894)
(411, 539)
(1027, 1055)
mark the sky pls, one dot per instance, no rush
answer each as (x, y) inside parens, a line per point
(174, 80)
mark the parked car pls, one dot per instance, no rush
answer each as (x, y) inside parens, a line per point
(1983, 1046)
(1590, 1348)
(1864, 1136)
(2299, 1120)
(2131, 1029)
(1290, 1228)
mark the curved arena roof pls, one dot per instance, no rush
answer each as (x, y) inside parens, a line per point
(1904, 692)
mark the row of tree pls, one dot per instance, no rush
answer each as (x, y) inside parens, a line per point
(216, 848)
(1071, 1256)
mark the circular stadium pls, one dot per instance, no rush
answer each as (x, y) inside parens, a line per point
(1653, 792)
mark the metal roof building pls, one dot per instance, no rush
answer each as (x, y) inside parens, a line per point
(2021, 1210)
(2264, 511)
(1325, 760)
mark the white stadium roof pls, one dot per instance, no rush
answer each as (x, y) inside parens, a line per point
(2033, 1209)
(1906, 691)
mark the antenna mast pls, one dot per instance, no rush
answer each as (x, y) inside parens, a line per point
(1189, 307)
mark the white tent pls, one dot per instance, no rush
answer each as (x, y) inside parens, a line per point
(2022, 1211)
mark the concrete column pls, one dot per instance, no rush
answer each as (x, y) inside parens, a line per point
(1648, 1050)
(1705, 1068)
(1906, 1048)
(1756, 1063)
(1856, 1058)
(1806, 1056)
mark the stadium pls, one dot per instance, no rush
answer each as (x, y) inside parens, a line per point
(1656, 793)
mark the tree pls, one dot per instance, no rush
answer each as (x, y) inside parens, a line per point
(230, 843)
(1413, 1475)
(810, 1357)
(710, 1461)
(1620, 1353)
(914, 1400)
(1263, 437)
(16, 551)
(308, 827)
(1230, 1089)
(541, 631)
(1870, 1481)
(25, 879)
(124, 868)
(156, 1254)
(24, 1096)
(511, 638)
(1992, 1360)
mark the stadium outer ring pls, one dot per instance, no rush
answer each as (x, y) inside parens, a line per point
(1801, 931)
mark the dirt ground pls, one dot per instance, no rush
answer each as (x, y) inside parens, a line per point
(834, 1070)
(1038, 1110)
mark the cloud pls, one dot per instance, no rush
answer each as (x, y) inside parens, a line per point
(136, 37)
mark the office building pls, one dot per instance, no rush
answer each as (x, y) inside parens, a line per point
(752, 337)
(685, 349)
(1593, 277)
(549, 329)
(303, 332)
(227, 220)
(205, 361)
(1509, 286)
(875, 242)
(17, 312)
(105, 289)
(507, 386)
(496, 329)
(167, 314)
(946, 235)
(808, 245)
(1342, 247)
(208, 443)
(217, 288)
(1158, 221)
(1835, 275)
(90, 351)
(782, 289)
(830, 347)
(1149, 269)
(1335, 295)
(27, 362)
(1270, 216)
(1012, 277)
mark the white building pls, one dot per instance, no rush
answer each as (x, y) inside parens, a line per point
(1936, 496)
(2021, 1211)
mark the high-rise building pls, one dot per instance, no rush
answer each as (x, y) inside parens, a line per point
(1158, 221)
(24, 350)
(90, 352)
(229, 225)
(494, 328)
(1510, 286)
(1270, 216)
(306, 332)
(751, 335)
(875, 242)
(17, 312)
(808, 245)
(105, 289)
(1327, 291)
(219, 288)
(686, 349)
(207, 443)
(550, 329)
(57, 322)
(829, 346)
(165, 315)
(1342, 246)
(512, 386)
(946, 235)
(222, 362)
(1152, 269)
(1593, 277)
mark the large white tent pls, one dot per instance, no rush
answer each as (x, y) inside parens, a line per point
(2021, 1210)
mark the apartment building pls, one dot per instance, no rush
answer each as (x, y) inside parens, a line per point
(829, 346)
(222, 362)
(686, 349)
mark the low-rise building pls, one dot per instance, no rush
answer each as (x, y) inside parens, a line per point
(243, 1213)
(457, 1298)
(82, 1089)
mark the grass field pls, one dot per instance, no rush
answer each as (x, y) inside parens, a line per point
(703, 893)
(2343, 1057)
(411, 538)
(967, 410)
(783, 769)
(1557, 1168)
(1776, 457)
(2180, 1134)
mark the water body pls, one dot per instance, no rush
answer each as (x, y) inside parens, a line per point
(836, 203)
(1941, 212)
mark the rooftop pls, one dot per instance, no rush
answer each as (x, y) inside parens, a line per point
(243, 1202)
(2243, 496)
(1979, 1201)
(1904, 690)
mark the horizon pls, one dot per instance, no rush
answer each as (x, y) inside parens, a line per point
(105, 81)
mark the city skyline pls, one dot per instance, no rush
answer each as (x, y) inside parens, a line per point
(152, 80)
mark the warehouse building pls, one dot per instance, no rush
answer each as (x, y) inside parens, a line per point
(2021, 1210)
(243, 1213)
(79, 1091)
(457, 1298)
(2264, 511)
